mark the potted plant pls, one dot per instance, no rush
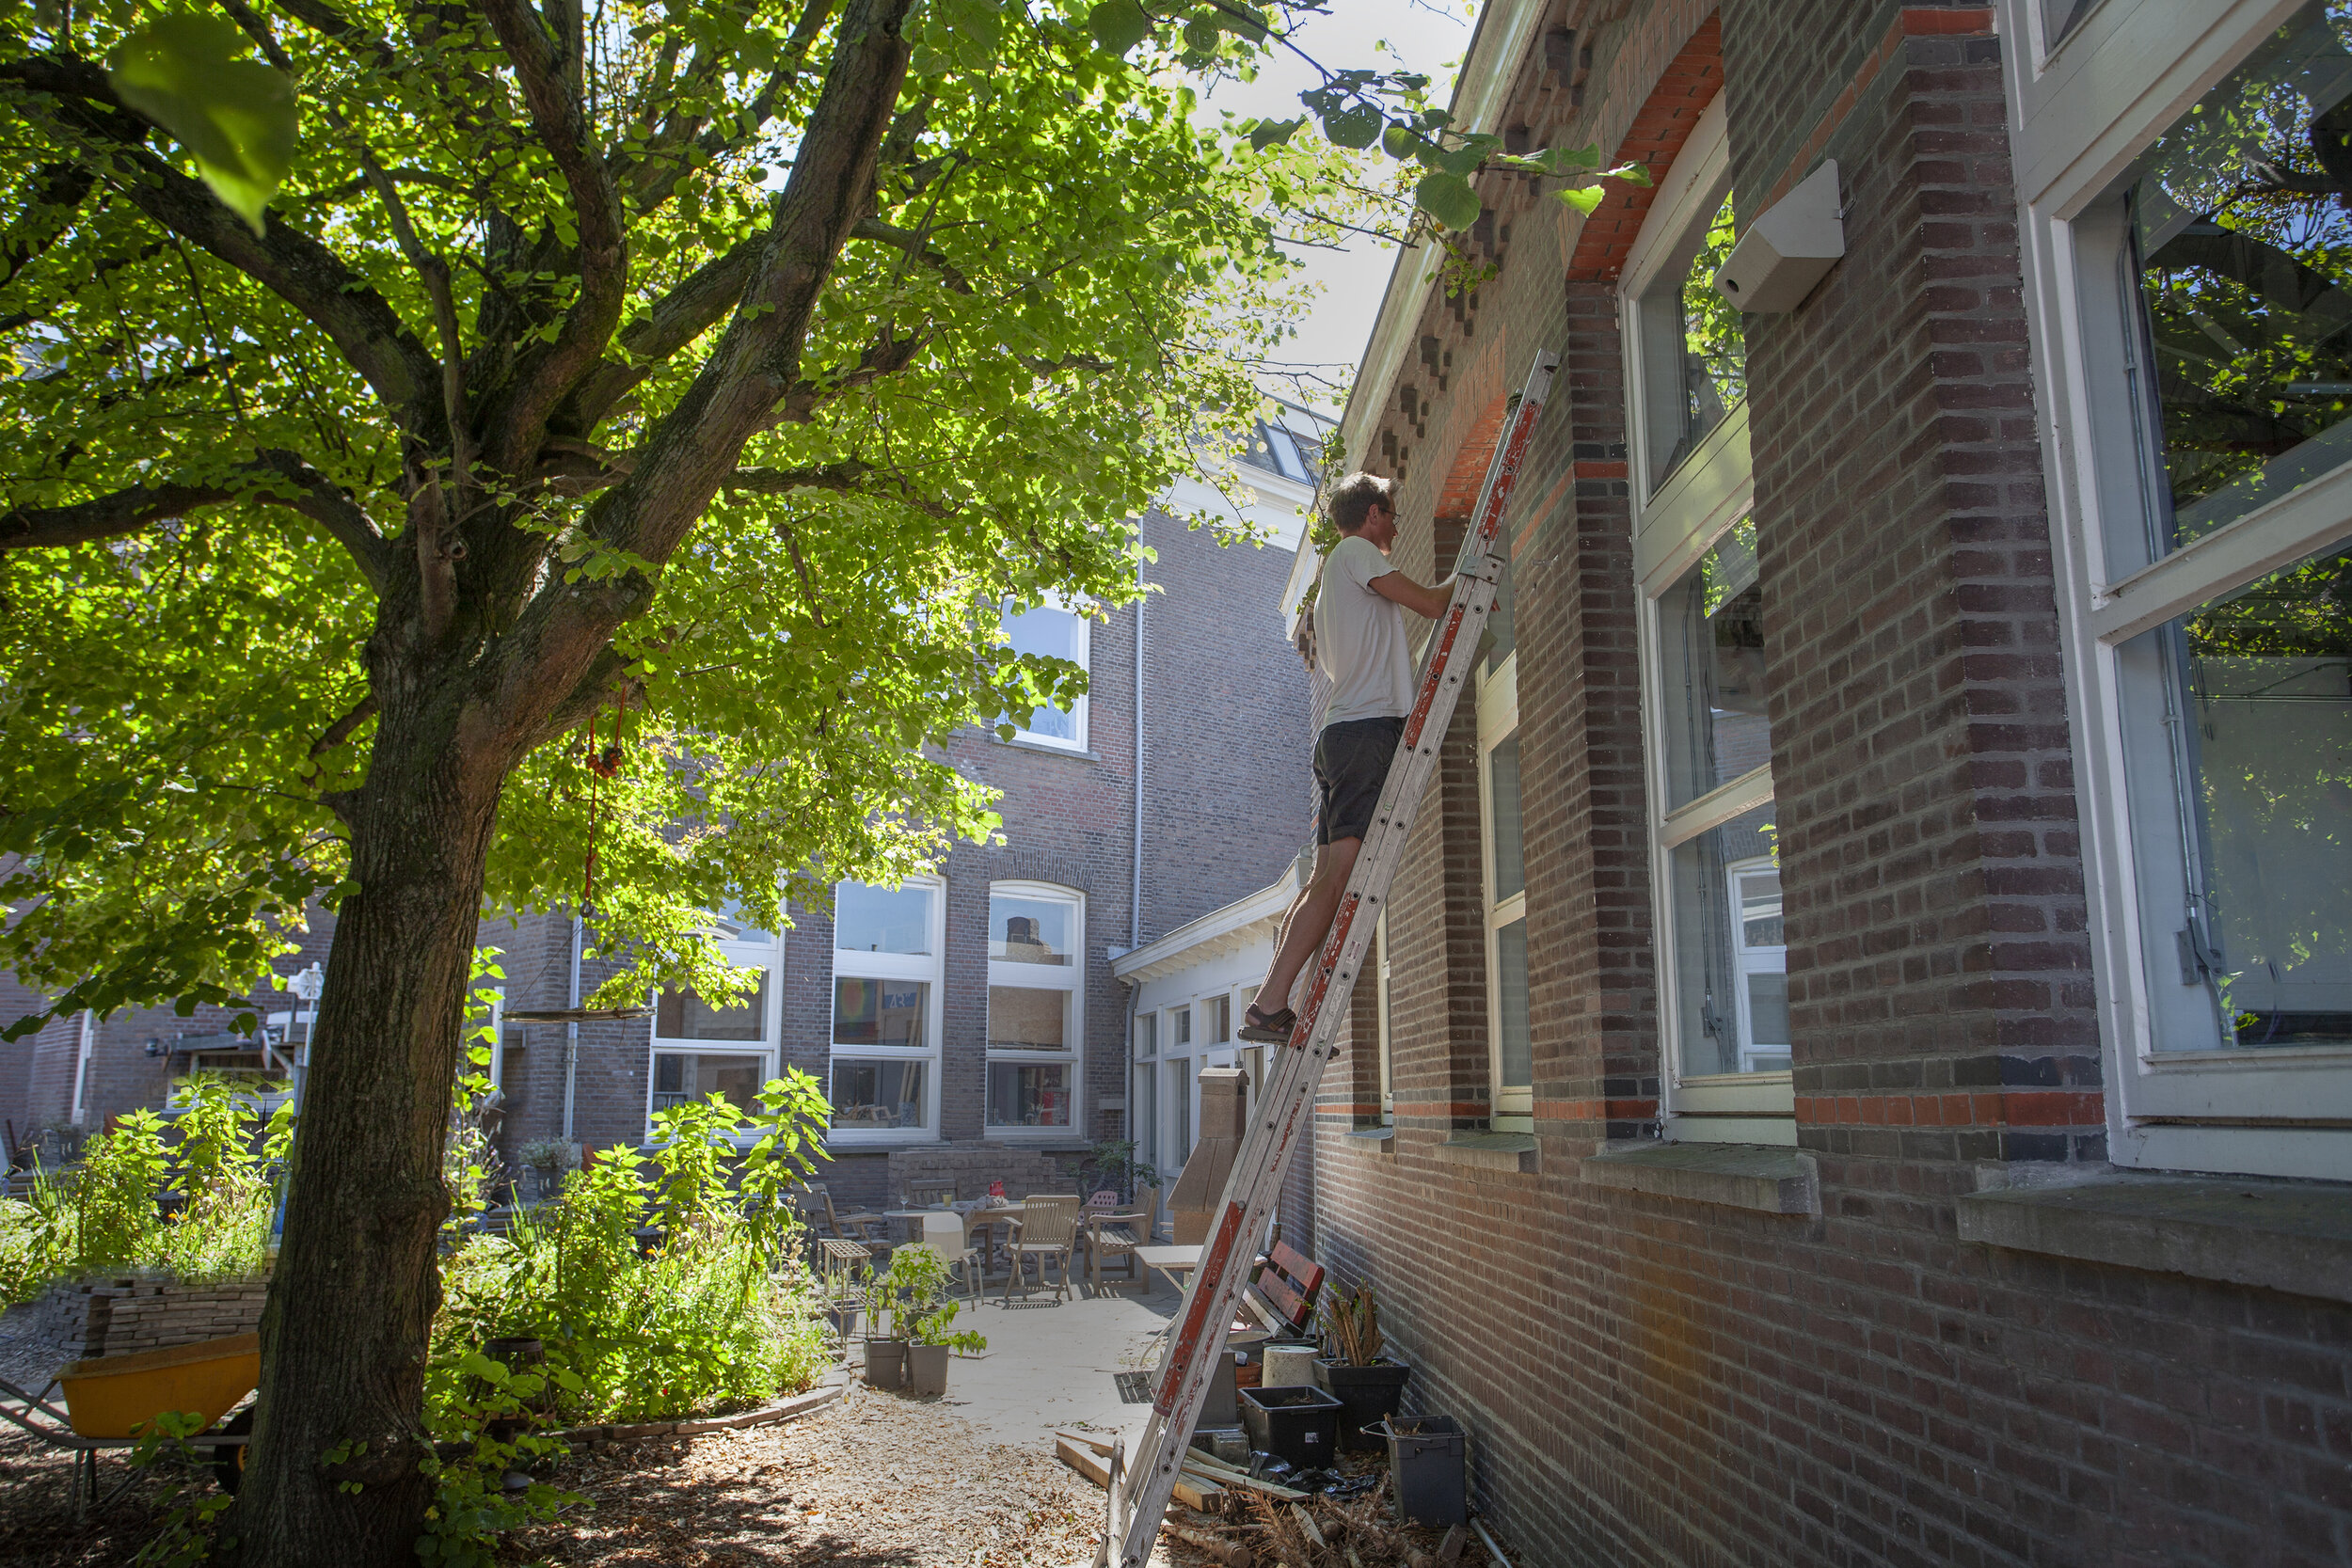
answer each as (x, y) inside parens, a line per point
(885, 1337)
(1369, 1385)
(547, 1160)
(1114, 1165)
(924, 1315)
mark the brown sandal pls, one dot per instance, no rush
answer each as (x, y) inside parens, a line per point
(1267, 1028)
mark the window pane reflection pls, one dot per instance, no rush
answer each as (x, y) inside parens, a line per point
(1511, 994)
(1502, 779)
(1710, 628)
(1024, 1019)
(1030, 930)
(1028, 1094)
(681, 1015)
(881, 919)
(2267, 678)
(2245, 246)
(1721, 954)
(679, 1078)
(879, 1012)
(1694, 357)
(879, 1093)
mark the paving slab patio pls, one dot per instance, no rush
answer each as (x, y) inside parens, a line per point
(1049, 1363)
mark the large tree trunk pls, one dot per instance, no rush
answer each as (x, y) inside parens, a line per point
(356, 1284)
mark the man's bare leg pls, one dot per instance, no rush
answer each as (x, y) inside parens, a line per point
(1308, 923)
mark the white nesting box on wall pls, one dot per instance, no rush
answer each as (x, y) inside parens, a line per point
(1788, 249)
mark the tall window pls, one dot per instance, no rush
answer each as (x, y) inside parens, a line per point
(1051, 632)
(701, 1047)
(1503, 877)
(1143, 1123)
(886, 1009)
(2200, 379)
(1707, 731)
(1176, 1089)
(1036, 944)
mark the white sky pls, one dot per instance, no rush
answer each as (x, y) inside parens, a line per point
(1427, 36)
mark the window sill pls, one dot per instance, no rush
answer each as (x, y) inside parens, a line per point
(2282, 1235)
(1371, 1140)
(1506, 1151)
(1076, 754)
(1769, 1180)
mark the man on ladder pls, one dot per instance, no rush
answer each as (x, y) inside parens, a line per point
(1360, 647)
(1354, 891)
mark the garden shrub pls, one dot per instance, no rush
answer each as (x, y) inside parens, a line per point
(712, 1308)
(107, 1214)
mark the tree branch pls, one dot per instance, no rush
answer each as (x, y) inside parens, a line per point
(291, 264)
(56, 187)
(133, 510)
(699, 302)
(558, 117)
(655, 175)
(691, 449)
(910, 242)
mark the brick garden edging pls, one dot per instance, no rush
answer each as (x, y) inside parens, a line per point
(827, 1390)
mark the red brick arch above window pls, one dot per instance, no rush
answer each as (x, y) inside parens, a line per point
(1654, 139)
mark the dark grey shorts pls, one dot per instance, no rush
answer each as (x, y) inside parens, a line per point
(1351, 764)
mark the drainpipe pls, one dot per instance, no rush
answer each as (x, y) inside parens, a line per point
(571, 1034)
(1134, 901)
(81, 1062)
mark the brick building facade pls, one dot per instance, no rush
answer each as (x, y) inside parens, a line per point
(1183, 776)
(1824, 1170)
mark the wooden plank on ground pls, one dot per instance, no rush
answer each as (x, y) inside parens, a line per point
(1192, 1490)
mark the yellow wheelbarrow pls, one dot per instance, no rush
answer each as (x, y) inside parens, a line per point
(111, 1401)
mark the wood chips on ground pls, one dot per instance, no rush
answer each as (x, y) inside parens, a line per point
(875, 1480)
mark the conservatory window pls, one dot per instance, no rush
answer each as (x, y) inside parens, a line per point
(887, 1006)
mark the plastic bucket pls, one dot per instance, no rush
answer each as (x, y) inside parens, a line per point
(1299, 1425)
(1427, 1472)
(885, 1362)
(927, 1368)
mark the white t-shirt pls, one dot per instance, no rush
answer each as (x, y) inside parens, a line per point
(1359, 638)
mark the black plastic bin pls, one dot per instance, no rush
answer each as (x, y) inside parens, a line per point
(1426, 1468)
(1300, 1426)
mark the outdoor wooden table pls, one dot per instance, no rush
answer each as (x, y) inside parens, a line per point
(1172, 1263)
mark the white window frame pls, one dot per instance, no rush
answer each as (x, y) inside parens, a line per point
(1083, 617)
(2080, 117)
(1143, 1088)
(930, 967)
(768, 953)
(1511, 1107)
(1708, 493)
(1069, 978)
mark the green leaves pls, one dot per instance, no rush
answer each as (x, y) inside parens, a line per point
(1447, 197)
(1355, 125)
(1118, 26)
(1584, 199)
(236, 117)
(1274, 133)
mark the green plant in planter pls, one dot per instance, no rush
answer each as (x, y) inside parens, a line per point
(914, 1290)
(1351, 1327)
(1114, 1164)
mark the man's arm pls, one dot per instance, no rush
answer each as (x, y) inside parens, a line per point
(1428, 603)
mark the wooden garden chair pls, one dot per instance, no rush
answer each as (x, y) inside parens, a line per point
(857, 1225)
(1047, 1229)
(1115, 1235)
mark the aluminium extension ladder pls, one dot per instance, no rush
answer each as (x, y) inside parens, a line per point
(1139, 1494)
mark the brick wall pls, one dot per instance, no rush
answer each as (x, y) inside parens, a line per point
(1664, 1381)
(84, 1319)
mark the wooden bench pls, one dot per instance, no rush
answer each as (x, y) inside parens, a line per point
(1283, 1291)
